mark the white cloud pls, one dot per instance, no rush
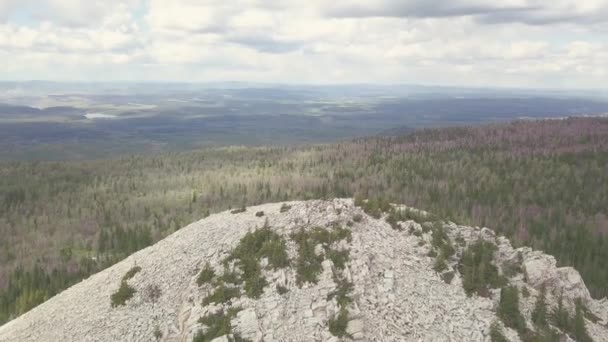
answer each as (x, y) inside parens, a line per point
(513, 42)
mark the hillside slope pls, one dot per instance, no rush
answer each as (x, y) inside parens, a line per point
(354, 275)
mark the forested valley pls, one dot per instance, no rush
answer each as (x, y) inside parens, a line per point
(540, 183)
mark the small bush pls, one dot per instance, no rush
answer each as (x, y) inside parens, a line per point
(206, 275)
(357, 218)
(508, 309)
(441, 241)
(239, 210)
(230, 277)
(460, 240)
(124, 293)
(218, 324)
(539, 314)
(259, 214)
(339, 324)
(284, 208)
(477, 270)
(447, 277)
(157, 333)
(153, 292)
(308, 264)
(496, 333)
(339, 258)
(221, 294)
(282, 289)
(131, 273)
(254, 286)
(440, 265)
(342, 292)
(374, 207)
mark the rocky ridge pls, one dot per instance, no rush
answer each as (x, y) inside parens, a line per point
(389, 287)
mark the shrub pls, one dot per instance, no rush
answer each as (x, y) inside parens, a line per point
(153, 292)
(478, 272)
(339, 258)
(578, 329)
(308, 264)
(282, 289)
(124, 293)
(218, 324)
(157, 333)
(374, 207)
(441, 241)
(131, 273)
(284, 208)
(539, 314)
(496, 333)
(342, 291)
(259, 214)
(239, 210)
(357, 218)
(560, 316)
(261, 243)
(339, 324)
(254, 286)
(206, 275)
(230, 276)
(440, 265)
(447, 277)
(508, 309)
(221, 294)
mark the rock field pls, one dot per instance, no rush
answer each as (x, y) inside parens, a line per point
(396, 294)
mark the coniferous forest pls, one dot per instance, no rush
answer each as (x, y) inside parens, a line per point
(540, 183)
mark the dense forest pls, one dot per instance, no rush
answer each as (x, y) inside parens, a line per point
(540, 183)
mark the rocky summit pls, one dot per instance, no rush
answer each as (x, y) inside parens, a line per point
(324, 270)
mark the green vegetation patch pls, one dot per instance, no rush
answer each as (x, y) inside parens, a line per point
(282, 289)
(374, 207)
(206, 276)
(131, 273)
(239, 210)
(217, 325)
(339, 258)
(338, 324)
(308, 263)
(478, 272)
(342, 292)
(263, 242)
(497, 334)
(508, 309)
(242, 268)
(222, 294)
(124, 293)
(284, 207)
(573, 326)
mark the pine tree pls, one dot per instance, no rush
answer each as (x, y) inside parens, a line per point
(508, 309)
(579, 329)
(539, 314)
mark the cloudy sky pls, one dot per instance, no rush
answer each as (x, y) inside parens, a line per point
(524, 43)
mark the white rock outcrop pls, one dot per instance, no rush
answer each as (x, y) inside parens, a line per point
(397, 296)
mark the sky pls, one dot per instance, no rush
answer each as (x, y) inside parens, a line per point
(508, 43)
